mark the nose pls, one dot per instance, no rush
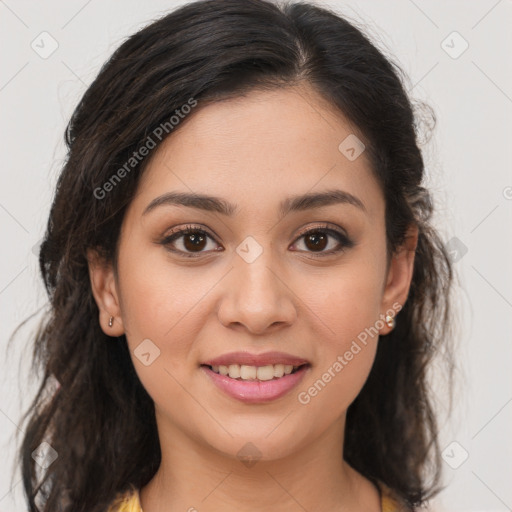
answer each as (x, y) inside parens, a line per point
(257, 295)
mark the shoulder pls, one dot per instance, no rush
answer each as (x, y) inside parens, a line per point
(390, 501)
(127, 501)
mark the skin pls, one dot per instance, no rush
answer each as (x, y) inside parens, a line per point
(254, 152)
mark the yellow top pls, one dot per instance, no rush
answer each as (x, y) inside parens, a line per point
(129, 501)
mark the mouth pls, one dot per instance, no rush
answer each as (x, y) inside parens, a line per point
(255, 385)
(255, 373)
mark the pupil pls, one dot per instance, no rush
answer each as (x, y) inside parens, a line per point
(317, 239)
(195, 239)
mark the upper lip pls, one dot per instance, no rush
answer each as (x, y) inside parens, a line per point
(248, 359)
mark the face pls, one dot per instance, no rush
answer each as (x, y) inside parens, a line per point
(251, 279)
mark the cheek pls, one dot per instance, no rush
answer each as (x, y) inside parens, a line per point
(158, 295)
(344, 301)
(164, 308)
(344, 308)
(345, 351)
(333, 386)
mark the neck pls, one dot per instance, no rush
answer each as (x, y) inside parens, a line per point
(194, 476)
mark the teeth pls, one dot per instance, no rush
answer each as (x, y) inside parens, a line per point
(234, 371)
(247, 372)
(278, 370)
(244, 372)
(265, 372)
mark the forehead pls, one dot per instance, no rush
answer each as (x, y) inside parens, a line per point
(257, 148)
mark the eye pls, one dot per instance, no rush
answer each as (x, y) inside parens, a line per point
(192, 240)
(317, 239)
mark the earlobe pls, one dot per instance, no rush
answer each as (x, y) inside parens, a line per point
(104, 290)
(399, 277)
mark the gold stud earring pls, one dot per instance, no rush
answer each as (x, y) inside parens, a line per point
(111, 321)
(390, 321)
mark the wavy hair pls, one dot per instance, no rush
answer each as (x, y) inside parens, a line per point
(90, 406)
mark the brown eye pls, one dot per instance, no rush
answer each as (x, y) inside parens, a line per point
(188, 242)
(316, 240)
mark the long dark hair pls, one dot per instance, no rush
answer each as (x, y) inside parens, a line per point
(90, 407)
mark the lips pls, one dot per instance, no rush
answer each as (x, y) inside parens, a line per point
(255, 391)
(248, 359)
(248, 389)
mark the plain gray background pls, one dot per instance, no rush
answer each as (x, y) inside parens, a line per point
(468, 167)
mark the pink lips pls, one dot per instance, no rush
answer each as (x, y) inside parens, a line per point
(255, 391)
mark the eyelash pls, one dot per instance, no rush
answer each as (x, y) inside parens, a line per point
(345, 242)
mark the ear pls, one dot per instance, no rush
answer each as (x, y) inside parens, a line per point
(104, 290)
(399, 276)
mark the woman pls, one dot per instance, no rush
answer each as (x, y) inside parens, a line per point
(246, 288)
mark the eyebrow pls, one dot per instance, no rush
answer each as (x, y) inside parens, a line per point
(290, 204)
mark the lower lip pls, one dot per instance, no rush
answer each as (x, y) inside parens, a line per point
(256, 391)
